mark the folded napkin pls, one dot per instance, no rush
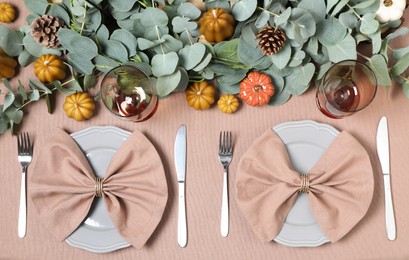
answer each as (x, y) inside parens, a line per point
(339, 186)
(134, 188)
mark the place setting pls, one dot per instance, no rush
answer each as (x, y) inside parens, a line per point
(126, 177)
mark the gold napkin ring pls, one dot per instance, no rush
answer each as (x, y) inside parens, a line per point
(305, 183)
(98, 186)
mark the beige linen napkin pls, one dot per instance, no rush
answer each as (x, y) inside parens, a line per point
(340, 186)
(134, 189)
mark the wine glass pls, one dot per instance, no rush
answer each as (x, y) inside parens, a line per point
(347, 87)
(129, 94)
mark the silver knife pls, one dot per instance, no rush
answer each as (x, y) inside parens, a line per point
(382, 146)
(180, 163)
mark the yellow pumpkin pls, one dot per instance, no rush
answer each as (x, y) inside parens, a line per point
(200, 95)
(256, 89)
(228, 104)
(7, 12)
(49, 68)
(79, 106)
(7, 65)
(217, 25)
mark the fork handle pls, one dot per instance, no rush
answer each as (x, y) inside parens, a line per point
(224, 224)
(22, 215)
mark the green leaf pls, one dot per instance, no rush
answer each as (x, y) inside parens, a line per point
(330, 5)
(301, 24)
(168, 44)
(104, 64)
(228, 89)
(7, 84)
(57, 10)
(284, 16)
(184, 80)
(330, 31)
(323, 69)
(4, 31)
(401, 65)
(37, 6)
(75, 43)
(281, 59)
(341, 4)
(89, 81)
(48, 102)
(315, 7)
(225, 4)
(13, 44)
(65, 90)
(145, 44)
(191, 55)
(181, 24)
(34, 95)
(122, 5)
(344, 50)
(402, 31)
(263, 19)
(299, 81)
(399, 52)
(189, 10)
(154, 17)
(348, 20)
(36, 50)
(80, 63)
(244, 9)
(369, 24)
(232, 79)
(15, 115)
(127, 39)
(164, 64)
(25, 58)
(364, 4)
(248, 54)
(202, 65)
(22, 91)
(8, 100)
(376, 42)
(39, 86)
(115, 50)
(378, 64)
(405, 86)
(297, 58)
(227, 50)
(167, 84)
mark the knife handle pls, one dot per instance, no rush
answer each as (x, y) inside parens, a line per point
(389, 214)
(182, 229)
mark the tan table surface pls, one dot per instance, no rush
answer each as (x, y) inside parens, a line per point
(204, 180)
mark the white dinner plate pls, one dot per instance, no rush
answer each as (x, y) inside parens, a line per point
(97, 232)
(306, 142)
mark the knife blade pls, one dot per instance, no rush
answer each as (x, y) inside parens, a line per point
(180, 164)
(382, 146)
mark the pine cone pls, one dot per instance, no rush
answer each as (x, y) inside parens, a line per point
(272, 40)
(44, 30)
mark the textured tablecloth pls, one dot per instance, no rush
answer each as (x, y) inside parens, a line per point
(204, 179)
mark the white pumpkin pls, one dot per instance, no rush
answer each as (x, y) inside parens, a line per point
(390, 10)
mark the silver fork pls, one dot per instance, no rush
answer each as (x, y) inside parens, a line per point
(25, 154)
(225, 156)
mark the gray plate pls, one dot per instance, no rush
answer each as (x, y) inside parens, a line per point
(97, 233)
(306, 142)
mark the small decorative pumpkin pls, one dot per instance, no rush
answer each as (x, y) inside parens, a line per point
(200, 95)
(79, 106)
(7, 12)
(7, 65)
(49, 68)
(256, 89)
(228, 104)
(390, 10)
(217, 25)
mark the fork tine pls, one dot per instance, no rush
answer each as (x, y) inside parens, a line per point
(220, 142)
(25, 143)
(225, 139)
(231, 143)
(18, 144)
(29, 147)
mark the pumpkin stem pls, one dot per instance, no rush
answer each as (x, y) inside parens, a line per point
(257, 88)
(387, 3)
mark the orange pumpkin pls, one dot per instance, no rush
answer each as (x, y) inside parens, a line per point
(256, 89)
(217, 25)
(7, 65)
(7, 12)
(79, 106)
(49, 68)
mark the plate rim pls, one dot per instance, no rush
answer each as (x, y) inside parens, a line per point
(79, 244)
(319, 127)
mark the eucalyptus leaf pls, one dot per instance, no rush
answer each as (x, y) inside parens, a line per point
(338, 7)
(8, 100)
(378, 64)
(227, 50)
(228, 89)
(315, 7)
(127, 39)
(243, 9)
(144, 67)
(262, 19)
(323, 69)
(25, 58)
(348, 20)
(297, 58)
(330, 5)
(181, 24)
(232, 79)
(34, 95)
(39, 86)
(7, 84)
(22, 91)
(364, 4)
(36, 50)
(400, 52)
(344, 50)
(405, 86)
(57, 10)
(167, 84)
(168, 44)
(301, 23)
(248, 54)
(184, 80)
(401, 65)
(122, 5)
(104, 64)
(189, 10)
(14, 115)
(225, 4)
(281, 59)
(154, 17)
(89, 81)
(330, 31)
(202, 65)
(13, 45)
(284, 16)
(298, 82)
(145, 44)
(37, 6)
(115, 50)
(376, 40)
(369, 24)
(164, 64)
(191, 55)
(75, 43)
(4, 31)
(81, 64)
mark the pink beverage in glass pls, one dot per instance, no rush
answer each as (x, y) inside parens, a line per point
(347, 87)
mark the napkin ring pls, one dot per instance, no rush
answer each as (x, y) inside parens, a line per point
(305, 183)
(98, 186)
